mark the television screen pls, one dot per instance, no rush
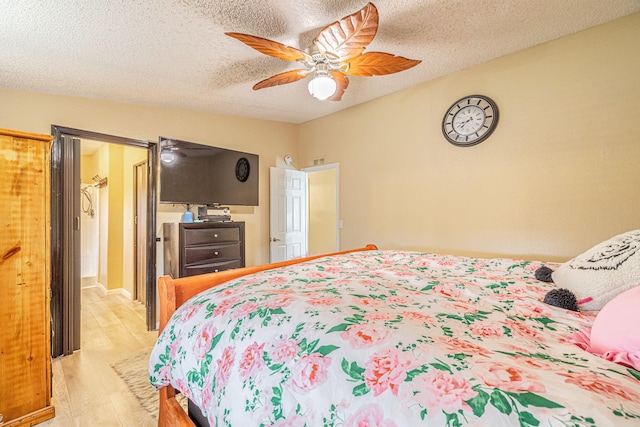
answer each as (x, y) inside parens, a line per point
(199, 174)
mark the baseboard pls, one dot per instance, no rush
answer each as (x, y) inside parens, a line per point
(121, 291)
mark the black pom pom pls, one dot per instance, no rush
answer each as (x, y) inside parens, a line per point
(544, 274)
(562, 298)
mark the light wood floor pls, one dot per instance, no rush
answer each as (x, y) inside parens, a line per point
(86, 389)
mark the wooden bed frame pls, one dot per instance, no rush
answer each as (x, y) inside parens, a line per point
(174, 292)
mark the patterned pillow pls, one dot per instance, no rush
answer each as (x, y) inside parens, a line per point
(604, 271)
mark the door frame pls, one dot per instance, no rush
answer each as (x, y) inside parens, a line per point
(137, 268)
(62, 163)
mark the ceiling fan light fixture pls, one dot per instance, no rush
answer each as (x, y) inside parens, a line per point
(322, 86)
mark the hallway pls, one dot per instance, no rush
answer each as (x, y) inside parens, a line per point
(86, 389)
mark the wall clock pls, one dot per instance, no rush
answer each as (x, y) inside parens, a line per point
(242, 169)
(470, 120)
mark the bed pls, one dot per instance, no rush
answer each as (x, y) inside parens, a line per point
(381, 338)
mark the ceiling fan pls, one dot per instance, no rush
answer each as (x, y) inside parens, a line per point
(338, 51)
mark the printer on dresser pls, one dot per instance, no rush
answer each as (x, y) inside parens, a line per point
(202, 247)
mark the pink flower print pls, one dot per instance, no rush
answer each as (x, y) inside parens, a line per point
(244, 310)
(225, 363)
(439, 390)
(222, 308)
(333, 270)
(508, 377)
(378, 316)
(486, 329)
(204, 340)
(538, 290)
(370, 415)
(601, 385)
(182, 386)
(448, 291)
(207, 392)
(325, 301)
(364, 335)
(535, 363)
(309, 372)
(251, 361)
(414, 315)
(519, 328)
(165, 371)
(386, 369)
(174, 346)
(189, 313)
(460, 307)
(277, 280)
(316, 275)
(368, 303)
(227, 292)
(394, 299)
(422, 263)
(457, 346)
(284, 350)
(278, 301)
(370, 283)
(529, 309)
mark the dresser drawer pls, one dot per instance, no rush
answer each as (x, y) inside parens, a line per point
(200, 236)
(200, 254)
(211, 268)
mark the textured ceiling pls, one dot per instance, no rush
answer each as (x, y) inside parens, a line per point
(174, 53)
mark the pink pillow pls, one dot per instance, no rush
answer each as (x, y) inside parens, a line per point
(615, 335)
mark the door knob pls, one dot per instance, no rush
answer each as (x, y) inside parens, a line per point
(275, 239)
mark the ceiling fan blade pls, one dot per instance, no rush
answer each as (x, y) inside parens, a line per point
(281, 79)
(272, 48)
(379, 64)
(349, 36)
(342, 82)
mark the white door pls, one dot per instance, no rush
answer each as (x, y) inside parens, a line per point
(288, 214)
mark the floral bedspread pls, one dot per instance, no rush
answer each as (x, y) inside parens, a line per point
(390, 338)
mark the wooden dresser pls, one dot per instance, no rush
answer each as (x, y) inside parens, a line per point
(25, 342)
(192, 248)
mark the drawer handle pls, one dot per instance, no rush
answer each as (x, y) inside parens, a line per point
(215, 271)
(216, 253)
(215, 235)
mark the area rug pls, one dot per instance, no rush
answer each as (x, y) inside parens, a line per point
(134, 371)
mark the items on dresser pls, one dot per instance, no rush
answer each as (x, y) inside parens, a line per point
(202, 247)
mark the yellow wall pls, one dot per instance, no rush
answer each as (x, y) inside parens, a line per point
(131, 157)
(36, 112)
(322, 211)
(559, 174)
(102, 162)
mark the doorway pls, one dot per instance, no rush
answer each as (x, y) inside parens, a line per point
(65, 236)
(324, 210)
(304, 212)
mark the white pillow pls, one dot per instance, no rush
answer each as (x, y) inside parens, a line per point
(602, 272)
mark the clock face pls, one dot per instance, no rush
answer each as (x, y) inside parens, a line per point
(470, 120)
(242, 169)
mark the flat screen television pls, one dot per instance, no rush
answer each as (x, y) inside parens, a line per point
(198, 174)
